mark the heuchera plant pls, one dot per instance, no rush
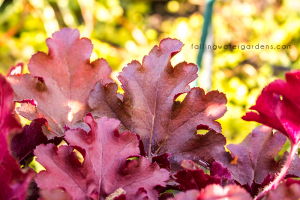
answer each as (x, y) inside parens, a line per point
(142, 144)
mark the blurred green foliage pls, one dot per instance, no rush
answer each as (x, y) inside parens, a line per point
(123, 30)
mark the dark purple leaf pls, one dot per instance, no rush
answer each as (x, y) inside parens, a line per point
(163, 160)
(255, 188)
(25, 142)
(193, 177)
(33, 192)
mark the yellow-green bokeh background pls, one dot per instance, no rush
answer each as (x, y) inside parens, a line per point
(123, 30)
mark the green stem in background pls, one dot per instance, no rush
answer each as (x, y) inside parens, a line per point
(281, 175)
(206, 25)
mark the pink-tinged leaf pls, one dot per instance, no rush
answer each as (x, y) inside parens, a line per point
(217, 192)
(61, 80)
(23, 144)
(28, 109)
(253, 159)
(105, 167)
(230, 192)
(56, 194)
(287, 190)
(278, 106)
(149, 107)
(188, 195)
(13, 181)
(193, 177)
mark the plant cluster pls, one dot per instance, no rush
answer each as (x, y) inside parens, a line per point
(142, 144)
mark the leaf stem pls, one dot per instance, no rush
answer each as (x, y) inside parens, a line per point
(281, 175)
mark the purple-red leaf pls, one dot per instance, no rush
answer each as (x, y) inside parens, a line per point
(217, 170)
(253, 159)
(149, 107)
(278, 106)
(104, 169)
(25, 142)
(254, 188)
(287, 190)
(60, 81)
(13, 181)
(193, 177)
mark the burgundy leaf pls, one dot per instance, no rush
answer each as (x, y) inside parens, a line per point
(141, 146)
(61, 80)
(121, 197)
(163, 160)
(193, 177)
(25, 142)
(104, 169)
(278, 106)
(255, 156)
(149, 107)
(13, 181)
(217, 170)
(287, 190)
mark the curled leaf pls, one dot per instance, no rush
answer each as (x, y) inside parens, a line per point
(278, 106)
